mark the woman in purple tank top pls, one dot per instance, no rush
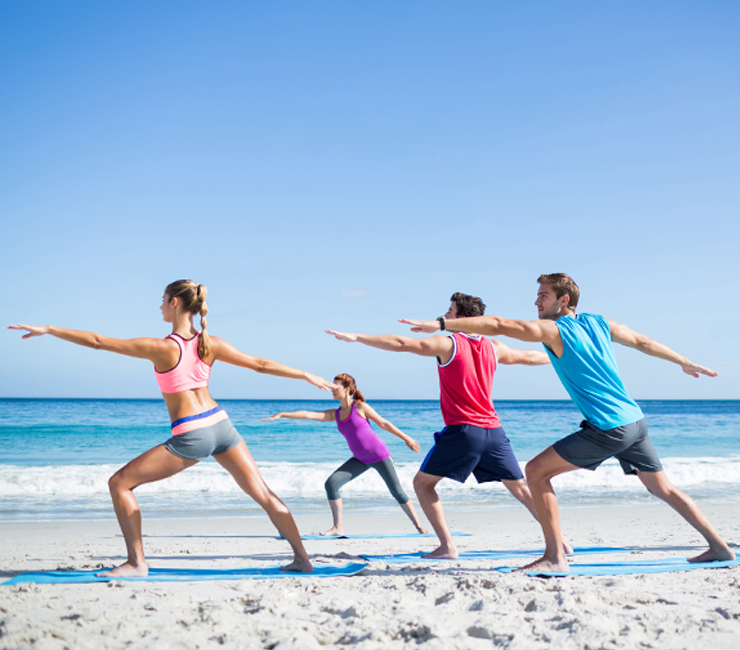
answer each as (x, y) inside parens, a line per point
(368, 450)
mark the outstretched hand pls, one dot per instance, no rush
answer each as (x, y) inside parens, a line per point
(33, 330)
(693, 369)
(320, 382)
(343, 336)
(277, 416)
(426, 326)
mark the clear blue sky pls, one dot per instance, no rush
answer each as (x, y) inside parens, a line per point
(342, 165)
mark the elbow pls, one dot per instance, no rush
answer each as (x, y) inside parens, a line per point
(262, 366)
(95, 343)
(399, 345)
(643, 343)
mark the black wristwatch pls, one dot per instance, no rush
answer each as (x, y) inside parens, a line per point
(441, 321)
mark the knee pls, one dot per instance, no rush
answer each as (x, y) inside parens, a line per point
(332, 489)
(400, 496)
(662, 489)
(518, 488)
(533, 471)
(422, 487)
(116, 483)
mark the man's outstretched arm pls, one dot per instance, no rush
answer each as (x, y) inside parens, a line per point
(434, 346)
(626, 336)
(511, 356)
(542, 331)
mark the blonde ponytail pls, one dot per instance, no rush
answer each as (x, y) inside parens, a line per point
(204, 343)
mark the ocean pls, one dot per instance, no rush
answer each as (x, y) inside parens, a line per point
(57, 454)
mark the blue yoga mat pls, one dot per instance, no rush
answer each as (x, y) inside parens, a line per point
(188, 575)
(406, 558)
(399, 535)
(662, 565)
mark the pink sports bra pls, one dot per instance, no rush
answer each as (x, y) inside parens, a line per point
(189, 372)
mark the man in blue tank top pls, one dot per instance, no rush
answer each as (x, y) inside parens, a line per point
(580, 349)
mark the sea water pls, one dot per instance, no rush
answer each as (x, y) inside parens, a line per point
(56, 456)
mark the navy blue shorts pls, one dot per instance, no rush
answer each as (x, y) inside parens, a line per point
(462, 449)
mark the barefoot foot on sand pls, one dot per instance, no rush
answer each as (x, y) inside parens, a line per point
(298, 566)
(333, 531)
(567, 548)
(718, 555)
(421, 530)
(442, 553)
(546, 566)
(126, 570)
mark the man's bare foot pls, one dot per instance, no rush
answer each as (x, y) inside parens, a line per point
(334, 530)
(126, 570)
(442, 553)
(543, 565)
(567, 548)
(298, 566)
(718, 555)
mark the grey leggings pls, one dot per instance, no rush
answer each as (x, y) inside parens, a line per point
(353, 468)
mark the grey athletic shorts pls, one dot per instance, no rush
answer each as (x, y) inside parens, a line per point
(630, 445)
(202, 443)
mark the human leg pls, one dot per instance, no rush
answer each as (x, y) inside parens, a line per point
(657, 484)
(387, 471)
(153, 465)
(337, 527)
(424, 486)
(521, 492)
(347, 472)
(240, 464)
(540, 471)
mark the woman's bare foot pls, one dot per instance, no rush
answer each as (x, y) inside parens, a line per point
(442, 553)
(543, 565)
(334, 530)
(298, 565)
(421, 530)
(714, 555)
(567, 548)
(126, 570)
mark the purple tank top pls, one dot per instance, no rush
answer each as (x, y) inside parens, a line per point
(362, 440)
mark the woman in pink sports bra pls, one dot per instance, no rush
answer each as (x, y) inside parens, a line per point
(368, 450)
(200, 428)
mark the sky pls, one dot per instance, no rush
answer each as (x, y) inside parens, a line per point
(343, 165)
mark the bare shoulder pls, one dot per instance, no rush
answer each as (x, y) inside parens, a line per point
(442, 341)
(366, 411)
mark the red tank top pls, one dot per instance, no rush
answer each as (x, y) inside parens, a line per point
(466, 383)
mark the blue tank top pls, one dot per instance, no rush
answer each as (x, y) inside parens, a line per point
(588, 370)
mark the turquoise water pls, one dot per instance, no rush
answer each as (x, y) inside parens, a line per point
(57, 454)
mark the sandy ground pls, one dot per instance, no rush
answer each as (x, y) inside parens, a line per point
(448, 605)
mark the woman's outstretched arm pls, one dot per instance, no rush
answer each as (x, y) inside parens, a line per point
(224, 351)
(367, 411)
(156, 350)
(319, 416)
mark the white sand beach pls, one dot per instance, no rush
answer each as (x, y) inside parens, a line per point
(443, 605)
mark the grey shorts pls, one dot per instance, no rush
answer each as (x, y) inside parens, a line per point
(630, 445)
(205, 442)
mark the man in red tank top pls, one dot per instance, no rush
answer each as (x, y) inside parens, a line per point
(473, 441)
